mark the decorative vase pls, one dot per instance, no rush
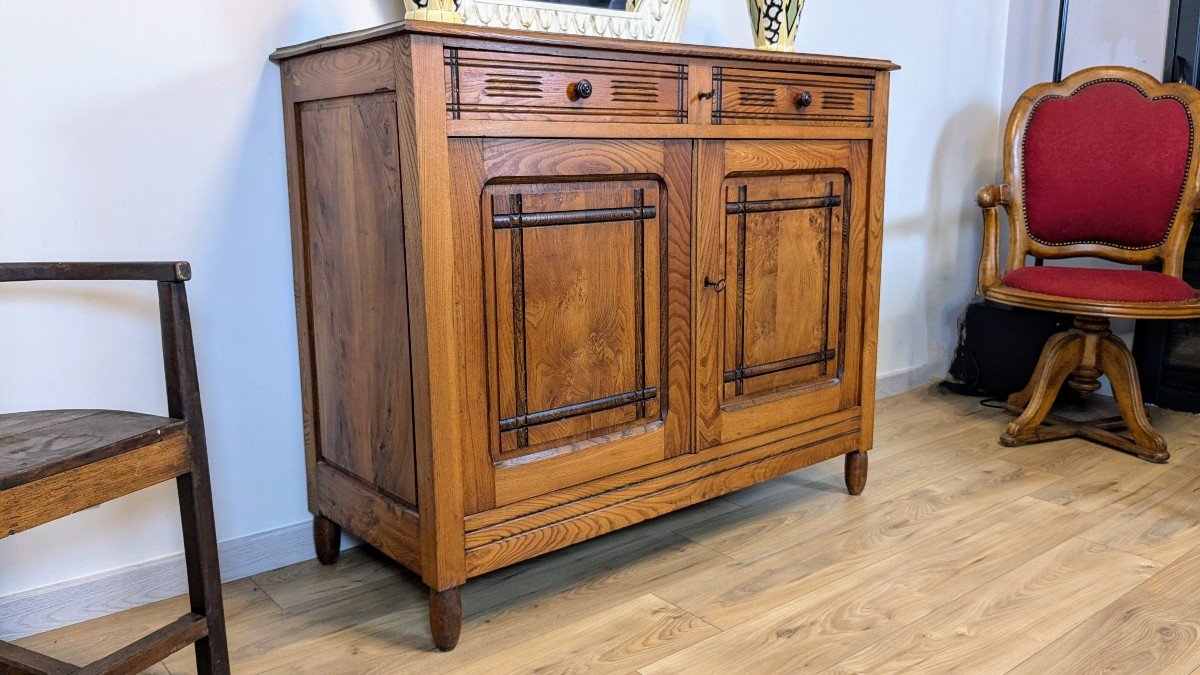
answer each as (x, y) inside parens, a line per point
(774, 23)
(446, 11)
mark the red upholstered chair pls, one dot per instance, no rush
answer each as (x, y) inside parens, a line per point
(1102, 165)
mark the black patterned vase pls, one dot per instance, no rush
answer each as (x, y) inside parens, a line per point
(774, 23)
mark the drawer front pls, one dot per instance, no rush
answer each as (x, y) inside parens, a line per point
(502, 86)
(765, 96)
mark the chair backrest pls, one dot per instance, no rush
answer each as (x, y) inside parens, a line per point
(1103, 164)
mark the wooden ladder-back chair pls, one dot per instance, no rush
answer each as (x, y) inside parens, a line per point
(56, 462)
(1102, 165)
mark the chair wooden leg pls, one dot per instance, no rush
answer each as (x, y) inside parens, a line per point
(1017, 402)
(327, 538)
(1061, 356)
(203, 568)
(445, 617)
(1117, 362)
(856, 472)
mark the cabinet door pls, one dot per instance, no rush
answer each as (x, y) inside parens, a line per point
(781, 232)
(585, 266)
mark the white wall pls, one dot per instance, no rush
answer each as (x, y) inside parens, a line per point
(1099, 33)
(151, 130)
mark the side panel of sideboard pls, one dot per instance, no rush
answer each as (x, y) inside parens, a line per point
(351, 274)
(348, 252)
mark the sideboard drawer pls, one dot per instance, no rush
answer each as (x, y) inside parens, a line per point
(507, 86)
(766, 96)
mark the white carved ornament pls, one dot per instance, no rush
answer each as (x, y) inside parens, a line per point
(657, 20)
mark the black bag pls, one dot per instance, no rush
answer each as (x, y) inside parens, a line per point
(999, 347)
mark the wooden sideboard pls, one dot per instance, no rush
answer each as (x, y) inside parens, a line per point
(549, 286)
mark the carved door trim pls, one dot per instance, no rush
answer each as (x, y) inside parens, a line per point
(529, 213)
(779, 338)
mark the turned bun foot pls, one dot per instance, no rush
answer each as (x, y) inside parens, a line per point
(856, 472)
(445, 617)
(327, 538)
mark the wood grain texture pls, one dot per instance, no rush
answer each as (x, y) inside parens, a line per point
(951, 527)
(147, 651)
(1023, 610)
(439, 384)
(583, 337)
(791, 317)
(356, 264)
(34, 445)
(382, 522)
(861, 534)
(491, 85)
(327, 539)
(496, 254)
(445, 617)
(618, 640)
(1143, 633)
(363, 69)
(840, 618)
(552, 537)
(61, 494)
(763, 96)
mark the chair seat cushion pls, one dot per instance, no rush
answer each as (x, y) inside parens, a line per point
(1105, 285)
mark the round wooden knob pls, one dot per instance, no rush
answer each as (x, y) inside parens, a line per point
(581, 89)
(804, 99)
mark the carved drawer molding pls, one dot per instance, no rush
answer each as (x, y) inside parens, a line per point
(508, 86)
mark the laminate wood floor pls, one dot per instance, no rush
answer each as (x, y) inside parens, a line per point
(961, 555)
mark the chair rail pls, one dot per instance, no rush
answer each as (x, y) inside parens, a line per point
(96, 271)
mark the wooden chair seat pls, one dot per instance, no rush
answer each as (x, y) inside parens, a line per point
(34, 445)
(56, 462)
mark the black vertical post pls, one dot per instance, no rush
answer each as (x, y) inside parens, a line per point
(1061, 45)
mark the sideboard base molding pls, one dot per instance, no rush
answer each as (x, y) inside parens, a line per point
(556, 535)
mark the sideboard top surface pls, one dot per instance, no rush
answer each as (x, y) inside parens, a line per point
(459, 31)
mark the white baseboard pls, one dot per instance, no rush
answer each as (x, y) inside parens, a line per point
(50, 607)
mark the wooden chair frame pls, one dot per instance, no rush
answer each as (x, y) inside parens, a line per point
(1081, 355)
(204, 625)
(1010, 195)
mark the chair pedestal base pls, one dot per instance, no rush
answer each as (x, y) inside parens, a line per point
(1083, 353)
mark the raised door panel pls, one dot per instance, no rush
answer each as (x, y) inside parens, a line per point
(355, 265)
(571, 289)
(583, 330)
(783, 305)
(781, 239)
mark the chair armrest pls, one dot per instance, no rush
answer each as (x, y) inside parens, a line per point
(85, 271)
(990, 198)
